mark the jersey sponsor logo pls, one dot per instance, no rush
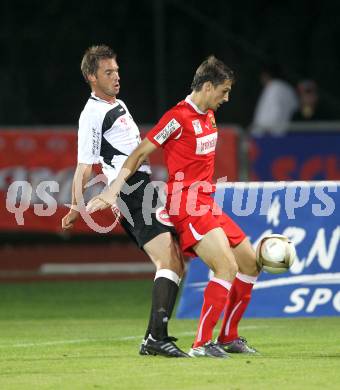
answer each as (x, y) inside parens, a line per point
(197, 126)
(163, 217)
(95, 141)
(165, 133)
(207, 144)
(197, 236)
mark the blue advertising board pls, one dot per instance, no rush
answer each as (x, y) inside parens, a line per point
(306, 212)
(296, 156)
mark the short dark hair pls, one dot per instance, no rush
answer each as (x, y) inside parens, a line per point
(212, 70)
(92, 56)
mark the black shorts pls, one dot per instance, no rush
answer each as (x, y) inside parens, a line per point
(143, 229)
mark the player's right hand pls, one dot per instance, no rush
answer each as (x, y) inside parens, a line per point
(70, 218)
(101, 202)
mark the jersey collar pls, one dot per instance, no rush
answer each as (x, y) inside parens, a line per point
(93, 96)
(193, 105)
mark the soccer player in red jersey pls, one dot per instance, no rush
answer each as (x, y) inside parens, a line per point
(188, 135)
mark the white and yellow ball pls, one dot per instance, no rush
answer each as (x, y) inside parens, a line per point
(275, 254)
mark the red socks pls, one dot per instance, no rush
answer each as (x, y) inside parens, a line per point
(215, 300)
(215, 296)
(238, 299)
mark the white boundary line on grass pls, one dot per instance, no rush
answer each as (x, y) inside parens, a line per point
(95, 268)
(126, 338)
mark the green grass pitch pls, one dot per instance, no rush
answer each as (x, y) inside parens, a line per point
(85, 335)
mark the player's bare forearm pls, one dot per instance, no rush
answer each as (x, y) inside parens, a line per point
(133, 162)
(108, 197)
(81, 177)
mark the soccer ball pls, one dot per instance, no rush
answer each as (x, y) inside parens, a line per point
(275, 254)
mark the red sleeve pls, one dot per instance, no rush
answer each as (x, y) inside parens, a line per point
(168, 127)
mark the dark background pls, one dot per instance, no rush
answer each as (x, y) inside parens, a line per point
(159, 45)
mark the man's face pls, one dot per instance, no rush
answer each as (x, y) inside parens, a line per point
(106, 81)
(219, 94)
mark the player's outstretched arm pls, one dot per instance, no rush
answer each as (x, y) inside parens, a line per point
(81, 177)
(108, 197)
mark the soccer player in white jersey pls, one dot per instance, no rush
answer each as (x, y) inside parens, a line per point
(108, 134)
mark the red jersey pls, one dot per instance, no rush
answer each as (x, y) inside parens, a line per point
(188, 137)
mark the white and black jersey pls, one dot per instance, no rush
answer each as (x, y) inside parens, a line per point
(107, 134)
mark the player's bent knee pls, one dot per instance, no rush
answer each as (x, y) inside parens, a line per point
(249, 269)
(226, 268)
(173, 263)
(168, 264)
(233, 269)
(246, 258)
(248, 266)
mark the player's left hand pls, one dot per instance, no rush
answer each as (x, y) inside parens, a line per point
(101, 202)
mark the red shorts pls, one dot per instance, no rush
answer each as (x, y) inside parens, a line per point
(191, 227)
